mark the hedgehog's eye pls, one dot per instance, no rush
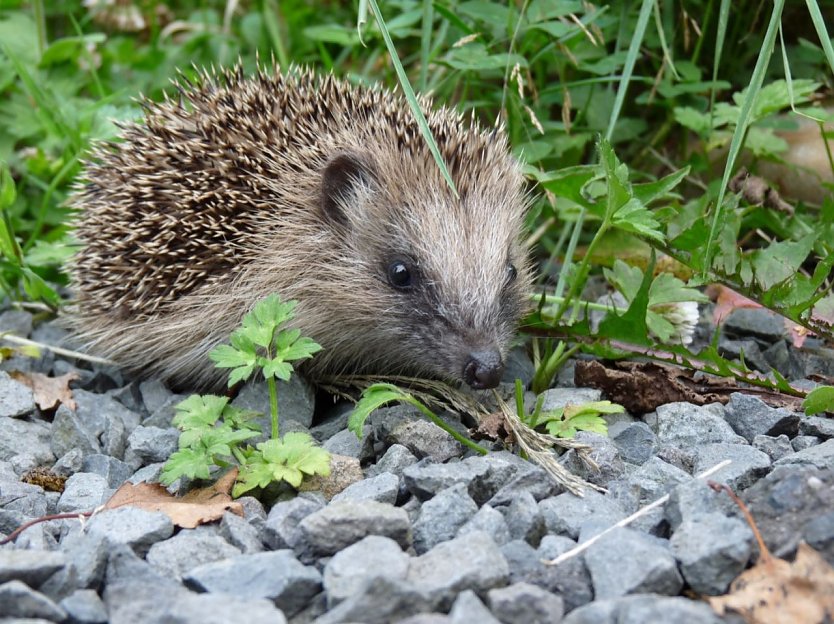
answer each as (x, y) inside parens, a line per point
(400, 275)
(512, 273)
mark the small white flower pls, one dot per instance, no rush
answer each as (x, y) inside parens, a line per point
(684, 316)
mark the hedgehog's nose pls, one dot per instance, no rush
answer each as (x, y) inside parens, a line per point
(484, 369)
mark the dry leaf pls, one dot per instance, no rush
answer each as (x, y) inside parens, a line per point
(49, 391)
(777, 592)
(727, 300)
(641, 386)
(198, 507)
(493, 427)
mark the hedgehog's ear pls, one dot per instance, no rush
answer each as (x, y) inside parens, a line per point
(343, 176)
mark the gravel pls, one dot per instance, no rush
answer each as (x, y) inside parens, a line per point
(413, 527)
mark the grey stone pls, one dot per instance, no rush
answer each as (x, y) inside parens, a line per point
(687, 426)
(569, 578)
(787, 503)
(425, 478)
(101, 411)
(277, 576)
(152, 444)
(19, 600)
(346, 443)
(87, 557)
(84, 606)
(533, 480)
(339, 525)
(757, 322)
(253, 509)
(16, 322)
(749, 416)
(16, 398)
(280, 530)
(296, 400)
(395, 460)
(167, 603)
(491, 522)
(562, 397)
(240, 533)
(83, 491)
(773, 447)
(154, 394)
(367, 560)
(654, 479)
(604, 453)
(188, 549)
(785, 360)
(425, 618)
(69, 463)
(523, 518)
(523, 603)
(147, 474)
(441, 517)
(124, 565)
(383, 489)
(820, 456)
(30, 566)
(819, 533)
(132, 526)
(518, 365)
(28, 499)
(129, 396)
(690, 500)
(70, 431)
(332, 421)
(472, 561)
(818, 426)
(800, 443)
(163, 416)
(565, 514)
(636, 442)
(425, 439)
(468, 608)
(748, 465)
(748, 349)
(644, 609)
(380, 601)
(627, 561)
(114, 471)
(33, 438)
(712, 550)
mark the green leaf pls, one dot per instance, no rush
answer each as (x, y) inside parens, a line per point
(199, 411)
(819, 400)
(187, 462)
(781, 260)
(373, 397)
(277, 368)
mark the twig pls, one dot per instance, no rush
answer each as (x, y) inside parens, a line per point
(60, 351)
(626, 521)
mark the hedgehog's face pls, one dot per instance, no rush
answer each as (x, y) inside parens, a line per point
(449, 275)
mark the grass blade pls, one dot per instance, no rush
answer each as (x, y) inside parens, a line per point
(720, 36)
(411, 98)
(822, 31)
(743, 122)
(631, 61)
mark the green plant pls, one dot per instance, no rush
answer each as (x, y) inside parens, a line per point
(213, 431)
(377, 395)
(565, 422)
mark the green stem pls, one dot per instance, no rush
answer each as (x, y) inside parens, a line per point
(40, 25)
(584, 267)
(238, 456)
(589, 305)
(437, 421)
(273, 406)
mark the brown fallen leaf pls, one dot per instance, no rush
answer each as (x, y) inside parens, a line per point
(775, 591)
(49, 392)
(641, 387)
(198, 507)
(493, 427)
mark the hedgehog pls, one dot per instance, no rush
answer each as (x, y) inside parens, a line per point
(319, 190)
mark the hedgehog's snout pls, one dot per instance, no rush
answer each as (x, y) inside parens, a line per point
(483, 369)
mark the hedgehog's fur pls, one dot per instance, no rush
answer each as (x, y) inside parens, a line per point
(310, 187)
